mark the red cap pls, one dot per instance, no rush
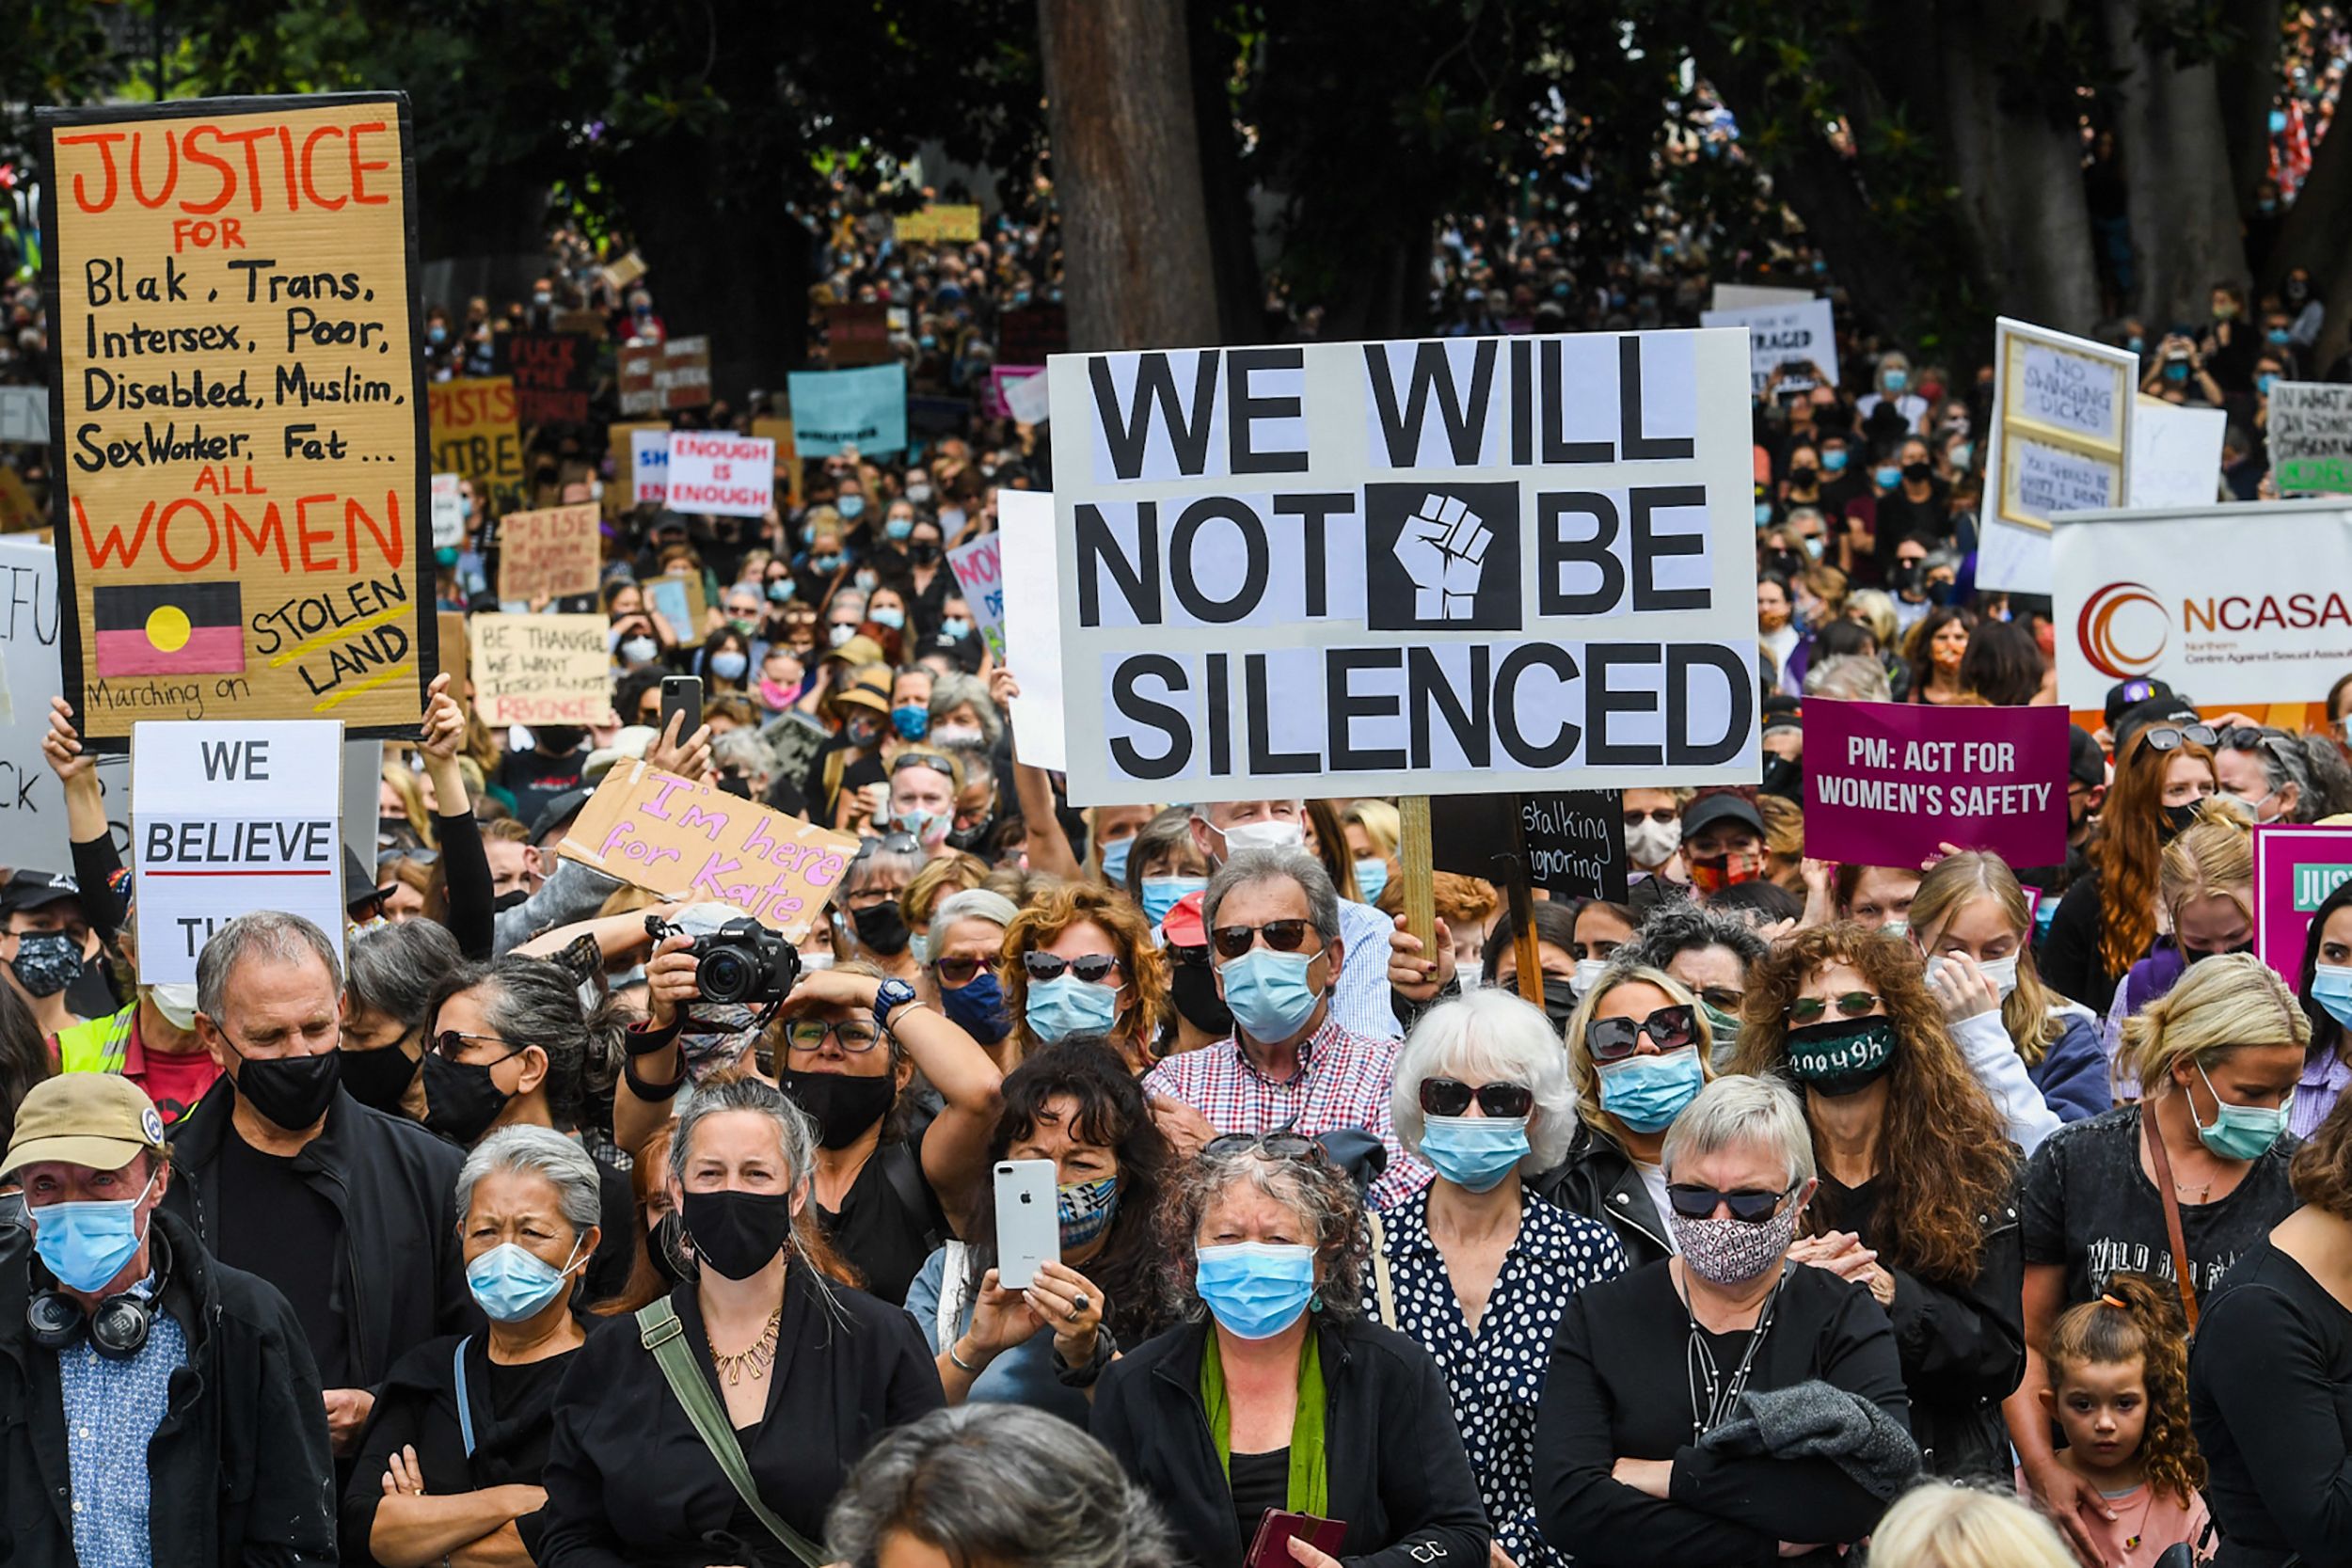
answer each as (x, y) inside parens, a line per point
(1182, 927)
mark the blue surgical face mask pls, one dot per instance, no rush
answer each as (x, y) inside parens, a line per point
(729, 665)
(2264, 382)
(2332, 988)
(1646, 1093)
(850, 506)
(898, 527)
(1066, 1005)
(955, 628)
(1475, 1153)
(1115, 861)
(85, 1244)
(1763, 513)
(911, 720)
(1895, 381)
(781, 590)
(919, 945)
(1268, 992)
(888, 615)
(2176, 369)
(1833, 461)
(1888, 475)
(2278, 334)
(1086, 1209)
(510, 1284)
(1255, 1289)
(1163, 894)
(2239, 1131)
(1371, 879)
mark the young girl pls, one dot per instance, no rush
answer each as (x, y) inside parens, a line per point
(2119, 1370)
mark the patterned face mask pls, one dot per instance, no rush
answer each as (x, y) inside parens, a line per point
(1841, 1057)
(1086, 1209)
(1732, 1251)
(45, 962)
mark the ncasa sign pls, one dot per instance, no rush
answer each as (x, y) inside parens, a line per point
(2124, 628)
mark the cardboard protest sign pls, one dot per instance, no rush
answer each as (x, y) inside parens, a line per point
(857, 334)
(32, 802)
(2310, 434)
(1886, 782)
(2176, 454)
(1456, 565)
(25, 415)
(541, 670)
(449, 512)
(19, 512)
(1790, 332)
(227, 817)
(553, 373)
(624, 270)
(2233, 603)
(649, 466)
(620, 494)
(1575, 842)
(2296, 868)
(656, 378)
(1032, 625)
(692, 842)
(456, 654)
(1030, 399)
(934, 224)
(979, 572)
(238, 450)
(554, 553)
(677, 597)
(2060, 442)
(999, 378)
(866, 409)
(719, 473)
(787, 452)
(476, 433)
(1032, 334)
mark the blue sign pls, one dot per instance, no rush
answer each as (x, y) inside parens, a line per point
(866, 408)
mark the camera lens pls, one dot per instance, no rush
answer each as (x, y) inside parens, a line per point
(725, 975)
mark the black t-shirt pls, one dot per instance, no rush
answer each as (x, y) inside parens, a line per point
(877, 1232)
(1260, 1482)
(2087, 1205)
(534, 779)
(272, 1224)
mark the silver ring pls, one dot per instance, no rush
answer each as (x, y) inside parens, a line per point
(1080, 1304)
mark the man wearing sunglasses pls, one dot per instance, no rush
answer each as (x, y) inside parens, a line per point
(1273, 924)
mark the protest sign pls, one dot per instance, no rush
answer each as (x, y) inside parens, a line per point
(980, 574)
(620, 494)
(725, 475)
(476, 434)
(2231, 604)
(787, 454)
(2176, 454)
(1032, 625)
(1792, 333)
(541, 670)
(2059, 441)
(1001, 377)
(25, 415)
(936, 224)
(1456, 565)
(590, 322)
(620, 273)
(1029, 400)
(227, 817)
(2296, 868)
(554, 554)
(1886, 782)
(1574, 842)
(457, 661)
(1032, 334)
(32, 802)
(692, 842)
(449, 512)
(866, 409)
(2310, 434)
(553, 373)
(657, 378)
(238, 460)
(677, 597)
(649, 465)
(1749, 296)
(857, 333)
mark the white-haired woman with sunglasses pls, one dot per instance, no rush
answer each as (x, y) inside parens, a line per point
(1649, 1451)
(1469, 1267)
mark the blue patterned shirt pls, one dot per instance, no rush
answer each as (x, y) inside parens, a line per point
(112, 1409)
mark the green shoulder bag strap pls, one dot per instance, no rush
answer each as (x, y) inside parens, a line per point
(662, 1333)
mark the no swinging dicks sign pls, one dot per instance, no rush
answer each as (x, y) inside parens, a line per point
(243, 524)
(1455, 565)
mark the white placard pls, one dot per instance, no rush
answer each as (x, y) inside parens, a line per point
(1799, 330)
(714, 472)
(25, 415)
(449, 512)
(1033, 633)
(231, 817)
(2310, 436)
(1028, 398)
(649, 467)
(2052, 394)
(32, 802)
(2176, 454)
(1458, 565)
(980, 571)
(1744, 296)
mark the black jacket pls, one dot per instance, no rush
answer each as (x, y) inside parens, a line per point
(239, 1474)
(1399, 1477)
(1599, 1181)
(394, 1184)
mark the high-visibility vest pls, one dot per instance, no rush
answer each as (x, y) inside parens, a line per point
(97, 1044)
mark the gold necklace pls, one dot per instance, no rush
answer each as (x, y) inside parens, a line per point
(754, 1358)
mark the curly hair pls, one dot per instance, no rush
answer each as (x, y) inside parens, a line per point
(2128, 851)
(1945, 1157)
(1143, 1001)
(2138, 1320)
(1311, 1186)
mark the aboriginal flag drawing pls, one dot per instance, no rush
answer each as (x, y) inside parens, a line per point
(169, 628)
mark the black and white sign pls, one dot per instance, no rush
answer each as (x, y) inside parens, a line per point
(1574, 842)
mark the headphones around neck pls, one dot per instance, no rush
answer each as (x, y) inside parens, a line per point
(118, 1327)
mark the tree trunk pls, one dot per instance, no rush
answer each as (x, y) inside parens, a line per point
(1225, 192)
(1127, 174)
(2185, 234)
(2246, 79)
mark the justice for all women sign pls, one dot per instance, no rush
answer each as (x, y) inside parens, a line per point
(1459, 565)
(242, 522)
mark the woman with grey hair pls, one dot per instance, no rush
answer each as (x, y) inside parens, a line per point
(1472, 1268)
(968, 935)
(785, 1363)
(387, 994)
(869, 913)
(1657, 1441)
(451, 1462)
(995, 1483)
(1277, 1394)
(963, 713)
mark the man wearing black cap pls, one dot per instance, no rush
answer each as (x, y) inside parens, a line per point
(162, 1407)
(1722, 846)
(41, 945)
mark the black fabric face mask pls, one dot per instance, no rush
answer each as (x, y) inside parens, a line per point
(843, 1107)
(290, 1092)
(737, 1234)
(882, 928)
(461, 1098)
(1559, 1003)
(377, 1079)
(1195, 990)
(665, 1247)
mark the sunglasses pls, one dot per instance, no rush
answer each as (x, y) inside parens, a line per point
(1451, 1096)
(1810, 1010)
(1192, 956)
(958, 973)
(1093, 968)
(1721, 998)
(1283, 935)
(1612, 1039)
(2168, 737)
(1281, 1146)
(449, 1042)
(1747, 1206)
(924, 759)
(1660, 813)
(891, 844)
(856, 1037)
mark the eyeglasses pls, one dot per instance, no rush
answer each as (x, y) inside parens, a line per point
(1721, 998)
(1852, 1003)
(393, 857)
(959, 972)
(856, 1037)
(1283, 935)
(1747, 1205)
(1659, 813)
(2168, 737)
(1093, 968)
(888, 844)
(1670, 1028)
(1451, 1096)
(449, 1042)
(1279, 1145)
(1192, 956)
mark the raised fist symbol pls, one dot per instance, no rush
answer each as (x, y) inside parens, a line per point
(1443, 547)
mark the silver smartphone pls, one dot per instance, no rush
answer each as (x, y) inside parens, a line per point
(1029, 1225)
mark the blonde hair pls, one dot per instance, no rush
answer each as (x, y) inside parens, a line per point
(1875, 610)
(1951, 885)
(402, 778)
(1382, 823)
(2222, 1004)
(1937, 1525)
(2212, 858)
(1586, 1077)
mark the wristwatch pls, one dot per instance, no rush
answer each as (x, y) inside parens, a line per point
(888, 997)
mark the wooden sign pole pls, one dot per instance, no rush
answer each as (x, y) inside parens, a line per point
(1419, 875)
(1521, 890)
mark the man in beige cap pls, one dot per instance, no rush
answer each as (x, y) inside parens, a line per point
(172, 1412)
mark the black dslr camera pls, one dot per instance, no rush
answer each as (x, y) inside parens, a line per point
(742, 961)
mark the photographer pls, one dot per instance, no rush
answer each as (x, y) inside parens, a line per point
(2177, 374)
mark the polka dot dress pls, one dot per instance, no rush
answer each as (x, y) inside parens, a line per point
(1495, 1378)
